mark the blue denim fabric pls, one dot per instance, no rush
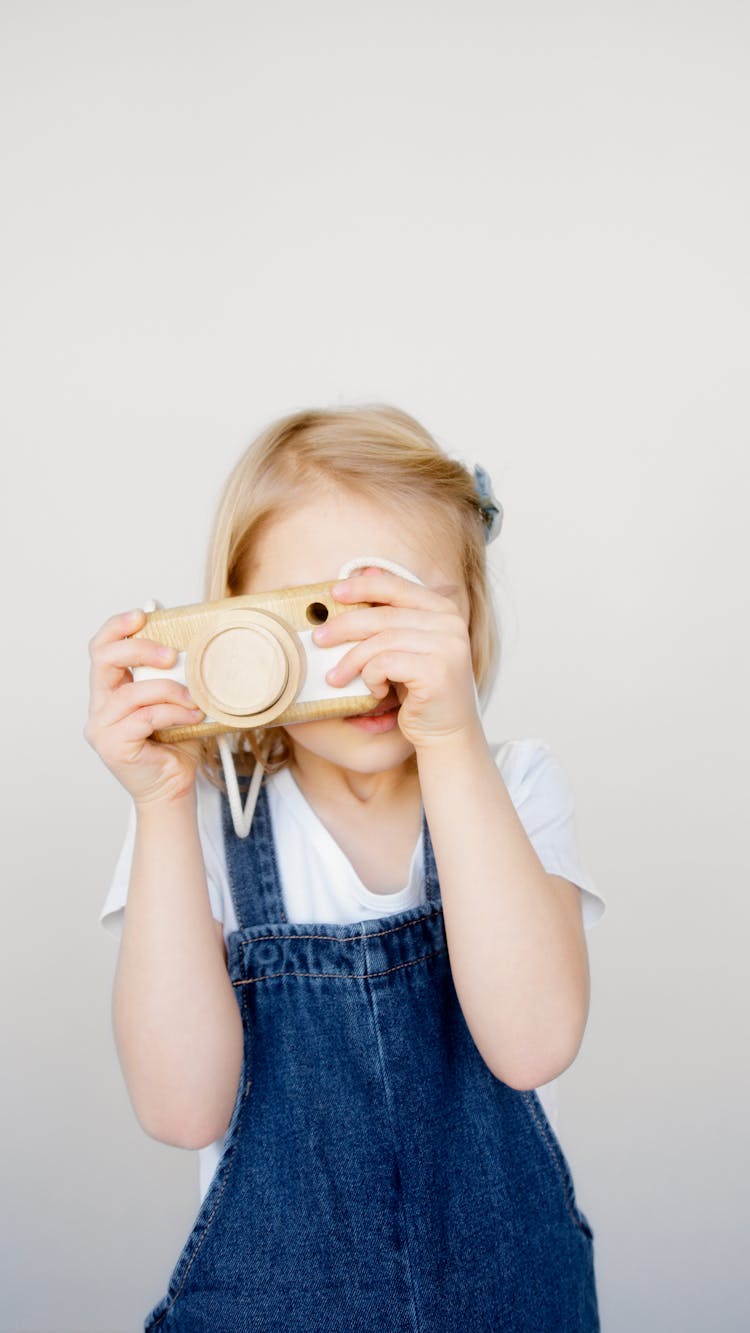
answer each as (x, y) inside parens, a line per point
(376, 1174)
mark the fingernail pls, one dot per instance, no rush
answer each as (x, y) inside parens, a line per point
(165, 652)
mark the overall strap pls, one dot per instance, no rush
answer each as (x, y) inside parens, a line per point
(252, 868)
(432, 884)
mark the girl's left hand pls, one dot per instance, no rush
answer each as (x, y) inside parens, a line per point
(415, 639)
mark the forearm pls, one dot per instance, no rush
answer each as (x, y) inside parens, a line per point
(518, 956)
(177, 1024)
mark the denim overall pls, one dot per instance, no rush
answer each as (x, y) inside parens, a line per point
(376, 1175)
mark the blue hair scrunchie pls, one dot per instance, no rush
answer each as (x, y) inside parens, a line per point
(490, 507)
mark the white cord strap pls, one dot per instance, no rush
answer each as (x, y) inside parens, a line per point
(242, 816)
(377, 562)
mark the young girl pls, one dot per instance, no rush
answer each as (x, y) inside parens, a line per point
(349, 1010)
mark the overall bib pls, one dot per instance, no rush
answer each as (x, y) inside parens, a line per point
(376, 1175)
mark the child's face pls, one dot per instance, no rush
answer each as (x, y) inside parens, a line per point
(310, 544)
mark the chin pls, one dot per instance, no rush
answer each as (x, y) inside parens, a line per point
(337, 742)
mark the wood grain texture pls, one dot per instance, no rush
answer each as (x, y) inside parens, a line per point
(299, 609)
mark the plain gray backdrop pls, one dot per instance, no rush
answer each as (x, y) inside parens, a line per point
(527, 224)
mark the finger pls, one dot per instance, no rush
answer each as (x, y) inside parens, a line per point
(117, 627)
(398, 669)
(133, 652)
(140, 724)
(365, 621)
(111, 663)
(141, 694)
(386, 587)
(353, 663)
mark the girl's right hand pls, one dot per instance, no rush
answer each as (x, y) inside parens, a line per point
(123, 713)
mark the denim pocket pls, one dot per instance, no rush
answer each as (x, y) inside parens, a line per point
(559, 1161)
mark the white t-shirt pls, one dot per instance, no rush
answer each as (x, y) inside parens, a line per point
(320, 884)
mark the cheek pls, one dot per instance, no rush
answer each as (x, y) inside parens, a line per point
(299, 730)
(314, 735)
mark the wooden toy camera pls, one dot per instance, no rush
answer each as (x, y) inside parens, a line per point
(250, 661)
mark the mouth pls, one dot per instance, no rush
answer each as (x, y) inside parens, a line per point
(383, 717)
(386, 705)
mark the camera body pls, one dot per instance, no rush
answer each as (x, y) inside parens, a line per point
(250, 661)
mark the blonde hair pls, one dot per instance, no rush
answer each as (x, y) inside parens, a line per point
(375, 450)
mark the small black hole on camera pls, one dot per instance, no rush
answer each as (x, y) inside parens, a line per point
(317, 613)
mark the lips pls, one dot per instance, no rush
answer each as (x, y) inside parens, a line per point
(386, 705)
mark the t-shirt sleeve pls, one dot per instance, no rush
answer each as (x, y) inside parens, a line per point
(543, 797)
(111, 914)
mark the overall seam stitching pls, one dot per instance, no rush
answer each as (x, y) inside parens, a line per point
(386, 1091)
(206, 1227)
(553, 1149)
(354, 976)
(345, 939)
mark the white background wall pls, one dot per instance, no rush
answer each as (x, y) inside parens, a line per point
(526, 224)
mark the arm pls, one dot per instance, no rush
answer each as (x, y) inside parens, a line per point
(177, 1025)
(515, 934)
